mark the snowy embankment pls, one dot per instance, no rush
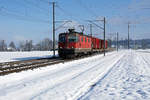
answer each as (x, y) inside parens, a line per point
(117, 76)
(58, 82)
(128, 80)
(18, 56)
(144, 50)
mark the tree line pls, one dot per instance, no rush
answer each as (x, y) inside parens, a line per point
(47, 45)
(28, 45)
(135, 44)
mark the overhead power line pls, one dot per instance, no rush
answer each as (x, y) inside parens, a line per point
(27, 4)
(86, 8)
(145, 8)
(67, 13)
(6, 12)
(44, 1)
(61, 26)
(35, 5)
(95, 24)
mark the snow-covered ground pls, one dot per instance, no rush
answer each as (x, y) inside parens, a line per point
(128, 80)
(144, 50)
(117, 76)
(18, 56)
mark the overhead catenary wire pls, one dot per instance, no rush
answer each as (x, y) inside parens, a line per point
(6, 12)
(68, 13)
(75, 19)
(35, 5)
(61, 26)
(64, 22)
(86, 8)
(95, 24)
(44, 1)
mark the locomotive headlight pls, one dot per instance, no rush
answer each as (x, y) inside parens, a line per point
(72, 47)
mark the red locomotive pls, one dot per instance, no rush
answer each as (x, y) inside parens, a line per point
(73, 44)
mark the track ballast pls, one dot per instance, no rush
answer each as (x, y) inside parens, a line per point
(18, 66)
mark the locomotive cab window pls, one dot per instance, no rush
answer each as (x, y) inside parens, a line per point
(73, 38)
(62, 38)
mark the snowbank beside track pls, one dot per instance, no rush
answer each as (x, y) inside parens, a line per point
(19, 56)
(128, 80)
(123, 75)
(58, 82)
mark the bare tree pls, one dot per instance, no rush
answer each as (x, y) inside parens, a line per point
(28, 45)
(46, 44)
(12, 46)
(143, 44)
(21, 46)
(3, 45)
(38, 47)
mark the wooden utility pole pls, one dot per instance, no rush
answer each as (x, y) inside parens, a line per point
(53, 28)
(128, 35)
(104, 35)
(117, 40)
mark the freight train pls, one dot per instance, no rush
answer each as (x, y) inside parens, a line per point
(72, 44)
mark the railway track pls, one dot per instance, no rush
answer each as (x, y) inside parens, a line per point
(18, 66)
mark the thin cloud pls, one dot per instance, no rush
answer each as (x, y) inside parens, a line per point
(139, 5)
(117, 20)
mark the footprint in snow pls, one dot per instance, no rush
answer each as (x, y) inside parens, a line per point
(107, 85)
(105, 89)
(148, 89)
(111, 93)
(142, 93)
(129, 93)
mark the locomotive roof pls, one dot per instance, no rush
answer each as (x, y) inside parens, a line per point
(79, 33)
(72, 31)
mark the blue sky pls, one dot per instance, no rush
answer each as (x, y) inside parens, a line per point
(31, 19)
